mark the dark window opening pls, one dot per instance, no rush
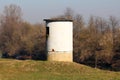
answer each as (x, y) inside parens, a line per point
(47, 31)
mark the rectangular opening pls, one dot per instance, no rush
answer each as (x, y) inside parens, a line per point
(47, 31)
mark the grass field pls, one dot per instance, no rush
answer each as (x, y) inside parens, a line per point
(45, 70)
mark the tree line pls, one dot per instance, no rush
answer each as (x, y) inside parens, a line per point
(96, 42)
(18, 37)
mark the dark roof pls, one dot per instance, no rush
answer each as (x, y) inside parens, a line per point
(57, 20)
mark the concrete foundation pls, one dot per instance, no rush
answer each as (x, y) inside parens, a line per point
(60, 56)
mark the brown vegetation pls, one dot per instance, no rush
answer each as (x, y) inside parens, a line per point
(18, 37)
(96, 43)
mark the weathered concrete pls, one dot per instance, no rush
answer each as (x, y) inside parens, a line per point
(60, 56)
(59, 40)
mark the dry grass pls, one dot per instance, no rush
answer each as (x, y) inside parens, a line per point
(45, 70)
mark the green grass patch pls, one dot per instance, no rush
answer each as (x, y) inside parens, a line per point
(45, 70)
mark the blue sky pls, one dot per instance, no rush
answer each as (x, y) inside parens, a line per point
(35, 11)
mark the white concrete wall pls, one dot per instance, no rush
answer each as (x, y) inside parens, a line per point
(60, 36)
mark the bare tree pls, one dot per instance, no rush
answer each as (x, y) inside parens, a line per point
(10, 23)
(78, 23)
(113, 23)
(69, 13)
